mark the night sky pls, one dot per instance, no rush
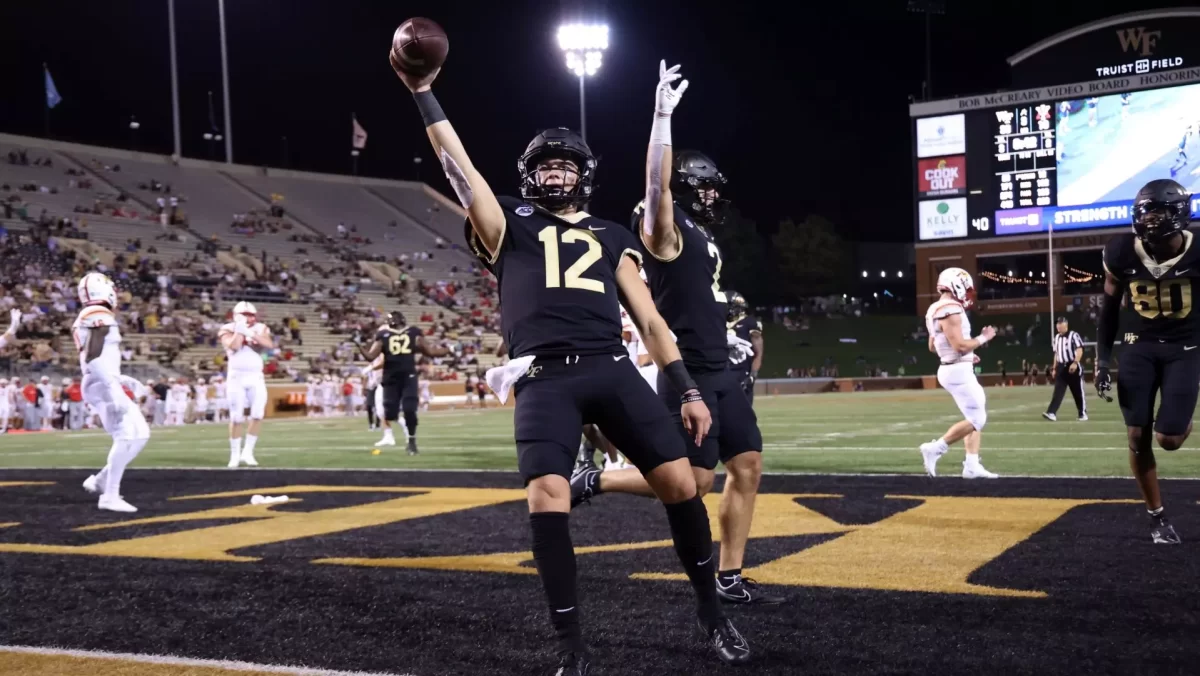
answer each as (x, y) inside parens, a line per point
(804, 116)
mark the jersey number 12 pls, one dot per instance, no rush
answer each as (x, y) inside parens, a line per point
(574, 278)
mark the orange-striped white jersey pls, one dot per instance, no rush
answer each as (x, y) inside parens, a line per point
(940, 309)
(94, 316)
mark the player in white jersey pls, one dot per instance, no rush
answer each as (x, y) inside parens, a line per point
(374, 374)
(11, 331)
(312, 404)
(200, 410)
(244, 339)
(426, 394)
(950, 339)
(330, 395)
(172, 415)
(5, 404)
(220, 400)
(99, 342)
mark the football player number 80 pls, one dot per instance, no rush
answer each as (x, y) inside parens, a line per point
(1168, 298)
(573, 278)
(400, 344)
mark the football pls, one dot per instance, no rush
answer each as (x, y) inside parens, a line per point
(419, 47)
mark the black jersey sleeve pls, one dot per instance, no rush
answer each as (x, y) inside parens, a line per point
(511, 206)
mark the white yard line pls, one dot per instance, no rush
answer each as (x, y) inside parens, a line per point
(172, 660)
(268, 470)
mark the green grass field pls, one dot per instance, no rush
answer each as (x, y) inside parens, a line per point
(825, 433)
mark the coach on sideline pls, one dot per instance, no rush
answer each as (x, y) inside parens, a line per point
(1068, 360)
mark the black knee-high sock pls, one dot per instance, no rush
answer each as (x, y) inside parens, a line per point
(555, 558)
(694, 545)
(410, 421)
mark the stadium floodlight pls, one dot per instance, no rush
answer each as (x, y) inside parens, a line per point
(864, 274)
(583, 45)
(900, 274)
(883, 273)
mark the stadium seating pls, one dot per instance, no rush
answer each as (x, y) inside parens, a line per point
(403, 221)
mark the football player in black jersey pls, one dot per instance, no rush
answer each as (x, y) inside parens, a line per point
(400, 344)
(683, 268)
(562, 273)
(746, 352)
(1158, 266)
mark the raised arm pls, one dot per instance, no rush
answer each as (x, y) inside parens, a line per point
(487, 218)
(659, 233)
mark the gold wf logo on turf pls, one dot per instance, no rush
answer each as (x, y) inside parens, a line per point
(1138, 39)
(934, 546)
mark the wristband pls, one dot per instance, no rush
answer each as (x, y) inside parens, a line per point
(691, 396)
(431, 110)
(677, 373)
(982, 340)
(660, 132)
(753, 374)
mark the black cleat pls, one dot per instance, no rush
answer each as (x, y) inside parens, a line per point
(726, 641)
(585, 483)
(1164, 533)
(412, 446)
(574, 664)
(746, 591)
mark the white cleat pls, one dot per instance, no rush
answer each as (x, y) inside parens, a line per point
(1083, 418)
(248, 459)
(116, 504)
(233, 463)
(1050, 416)
(930, 453)
(90, 484)
(977, 471)
(387, 440)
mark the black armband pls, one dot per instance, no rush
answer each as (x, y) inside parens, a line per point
(431, 110)
(682, 381)
(1110, 316)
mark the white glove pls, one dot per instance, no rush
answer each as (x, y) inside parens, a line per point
(16, 321)
(667, 97)
(739, 349)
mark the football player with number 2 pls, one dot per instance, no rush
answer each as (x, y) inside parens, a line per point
(1157, 265)
(562, 273)
(683, 267)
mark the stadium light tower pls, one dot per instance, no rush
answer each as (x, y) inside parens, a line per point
(584, 46)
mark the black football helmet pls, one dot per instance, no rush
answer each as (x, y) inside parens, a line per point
(396, 320)
(564, 144)
(691, 172)
(737, 305)
(1161, 208)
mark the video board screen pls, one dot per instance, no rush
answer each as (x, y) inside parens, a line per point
(1069, 164)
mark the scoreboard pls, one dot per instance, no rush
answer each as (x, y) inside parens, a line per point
(1024, 159)
(1062, 164)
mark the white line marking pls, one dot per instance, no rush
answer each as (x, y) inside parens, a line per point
(187, 661)
(719, 470)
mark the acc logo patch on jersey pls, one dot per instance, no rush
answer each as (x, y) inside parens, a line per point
(523, 210)
(689, 222)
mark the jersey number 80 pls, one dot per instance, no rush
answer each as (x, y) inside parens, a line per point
(1170, 298)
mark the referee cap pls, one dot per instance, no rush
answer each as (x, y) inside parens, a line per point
(1061, 320)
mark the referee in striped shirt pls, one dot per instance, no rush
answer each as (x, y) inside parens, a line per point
(1068, 364)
